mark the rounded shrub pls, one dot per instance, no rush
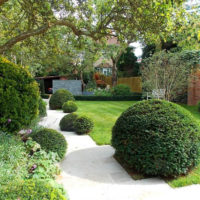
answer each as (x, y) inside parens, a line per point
(83, 125)
(157, 138)
(121, 90)
(42, 108)
(51, 141)
(33, 189)
(67, 122)
(19, 95)
(59, 98)
(69, 107)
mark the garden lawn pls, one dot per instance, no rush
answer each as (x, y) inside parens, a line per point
(104, 114)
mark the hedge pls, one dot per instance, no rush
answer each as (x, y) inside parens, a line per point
(135, 97)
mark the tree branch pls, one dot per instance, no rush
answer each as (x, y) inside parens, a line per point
(23, 36)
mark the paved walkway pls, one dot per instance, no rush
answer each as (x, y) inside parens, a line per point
(89, 172)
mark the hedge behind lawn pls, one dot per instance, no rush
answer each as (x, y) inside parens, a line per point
(135, 97)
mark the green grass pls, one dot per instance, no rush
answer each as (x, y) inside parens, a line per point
(104, 114)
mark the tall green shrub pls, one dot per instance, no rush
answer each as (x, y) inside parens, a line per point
(157, 138)
(19, 95)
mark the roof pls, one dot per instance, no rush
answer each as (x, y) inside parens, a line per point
(49, 77)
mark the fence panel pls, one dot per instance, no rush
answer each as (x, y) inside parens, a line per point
(135, 83)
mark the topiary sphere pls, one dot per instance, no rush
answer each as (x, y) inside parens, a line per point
(19, 95)
(59, 98)
(157, 138)
(69, 107)
(83, 125)
(33, 189)
(67, 122)
(51, 140)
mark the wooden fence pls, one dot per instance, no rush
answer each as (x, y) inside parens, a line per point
(135, 83)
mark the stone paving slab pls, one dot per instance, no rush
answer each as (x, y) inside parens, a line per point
(89, 172)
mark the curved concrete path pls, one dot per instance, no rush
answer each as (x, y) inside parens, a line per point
(89, 172)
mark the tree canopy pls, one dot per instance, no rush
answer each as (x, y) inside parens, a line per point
(128, 20)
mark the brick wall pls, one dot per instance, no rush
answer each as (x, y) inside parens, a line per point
(194, 89)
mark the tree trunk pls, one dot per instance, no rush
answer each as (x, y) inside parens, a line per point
(114, 73)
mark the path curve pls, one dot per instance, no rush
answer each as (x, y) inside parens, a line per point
(89, 172)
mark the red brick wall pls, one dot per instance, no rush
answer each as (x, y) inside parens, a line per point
(194, 89)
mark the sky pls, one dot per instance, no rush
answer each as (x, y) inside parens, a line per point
(138, 48)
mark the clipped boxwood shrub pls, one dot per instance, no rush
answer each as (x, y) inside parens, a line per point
(51, 141)
(33, 189)
(42, 108)
(157, 138)
(83, 125)
(121, 90)
(67, 122)
(59, 98)
(69, 107)
(19, 95)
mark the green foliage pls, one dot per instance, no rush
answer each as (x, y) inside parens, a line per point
(67, 122)
(13, 159)
(69, 107)
(59, 98)
(45, 96)
(18, 97)
(157, 138)
(41, 86)
(102, 92)
(42, 165)
(42, 108)
(127, 63)
(33, 189)
(172, 72)
(51, 141)
(83, 125)
(121, 90)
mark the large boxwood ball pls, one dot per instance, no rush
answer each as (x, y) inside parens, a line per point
(67, 122)
(157, 138)
(51, 140)
(83, 125)
(59, 98)
(19, 95)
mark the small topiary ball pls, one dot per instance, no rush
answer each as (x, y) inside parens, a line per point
(42, 108)
(59, 98)
(69, 107)
(51, 140)
(157, 138)
(19, 94)
(67, 122)
(33, 189)
(83, 125)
